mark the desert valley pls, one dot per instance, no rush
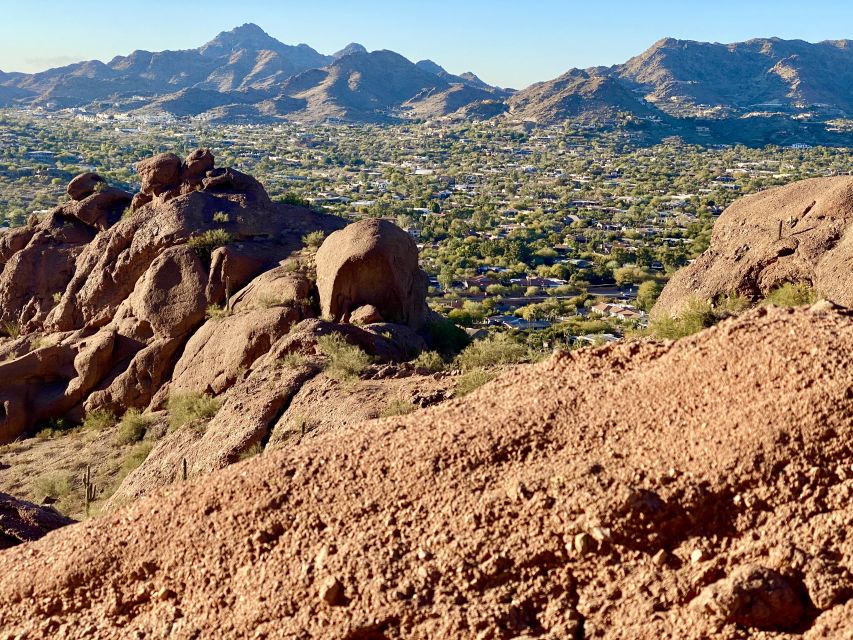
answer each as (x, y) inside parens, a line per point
(296, 345)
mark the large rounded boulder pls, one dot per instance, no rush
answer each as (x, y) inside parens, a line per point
(372, 262)
(799, 233)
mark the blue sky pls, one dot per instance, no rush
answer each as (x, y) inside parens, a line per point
(510, 43)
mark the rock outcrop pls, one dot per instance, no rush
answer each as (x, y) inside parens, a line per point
(100, 298)
(22, 521)
(372, 263)
(799, 233)
(706, 492)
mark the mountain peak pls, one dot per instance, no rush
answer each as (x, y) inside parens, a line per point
(351, 48)
(248, 29)
(246, 36)
(432, 67)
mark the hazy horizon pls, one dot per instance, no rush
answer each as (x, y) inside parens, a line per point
(501, 43)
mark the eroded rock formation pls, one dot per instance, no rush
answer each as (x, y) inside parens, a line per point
(799, 233)
(370, 270)
(99, 298)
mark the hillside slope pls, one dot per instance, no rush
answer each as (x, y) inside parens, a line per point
(577, 94)
(744, 75)
(643, 490)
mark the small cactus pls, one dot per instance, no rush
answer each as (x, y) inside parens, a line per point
(90, 490)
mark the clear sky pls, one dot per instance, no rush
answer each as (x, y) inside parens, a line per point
(509, 43)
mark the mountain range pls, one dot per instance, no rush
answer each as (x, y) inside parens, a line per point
(247, 75)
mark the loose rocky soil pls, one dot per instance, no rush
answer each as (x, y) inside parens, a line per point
(695, 489)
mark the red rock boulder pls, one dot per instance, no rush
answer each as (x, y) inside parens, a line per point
(372, 262)
(84, 185)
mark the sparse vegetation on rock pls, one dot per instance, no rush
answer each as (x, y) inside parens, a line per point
(188, 407)
(345, 361)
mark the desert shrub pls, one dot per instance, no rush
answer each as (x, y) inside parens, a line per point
(492, 351)
(251, 452)
(40, 343)
(216, 312)
(291, 361)
(293, 200)
(135, 458)
(791, 295)
(429, 360)
(314, 239)
(444, 336)
(468, 382)
(56, 485)
(132, 427)
(56, 297)
(187, 407)
(99, 420)
(731, 305)
(397, 407)
(696, 315)
(11, 329)
(221, 216)
(346, 361)
(54, 428)
(205, 243)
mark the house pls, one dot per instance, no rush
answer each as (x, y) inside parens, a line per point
(619, 311)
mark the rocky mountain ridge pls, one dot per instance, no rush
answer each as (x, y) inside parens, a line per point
(246, 75)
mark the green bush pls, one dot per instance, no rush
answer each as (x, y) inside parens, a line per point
(444, 336)
(135, 458)
(472, 380)
(397, 407)
(492, 351)
(291, 361)
(429, 360)
(697, 315)
(221, 217)
(99, 420)
(251, 452)
(314, 239)
(56, 485)
(11, 329)
(205, 243)
(731, 305)
(187, 407)
(346, 361)
(293, 200)
(132, 427)
(791, 295)
(215, 312)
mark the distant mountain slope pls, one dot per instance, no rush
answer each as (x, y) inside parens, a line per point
(790, 73)
(246, 74)
(577, 94)
(361, 86)
(243, 58)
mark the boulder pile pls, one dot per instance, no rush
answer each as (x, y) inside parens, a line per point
(196, 285)
(99, 297)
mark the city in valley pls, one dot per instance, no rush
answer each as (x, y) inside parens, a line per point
(562, 235)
